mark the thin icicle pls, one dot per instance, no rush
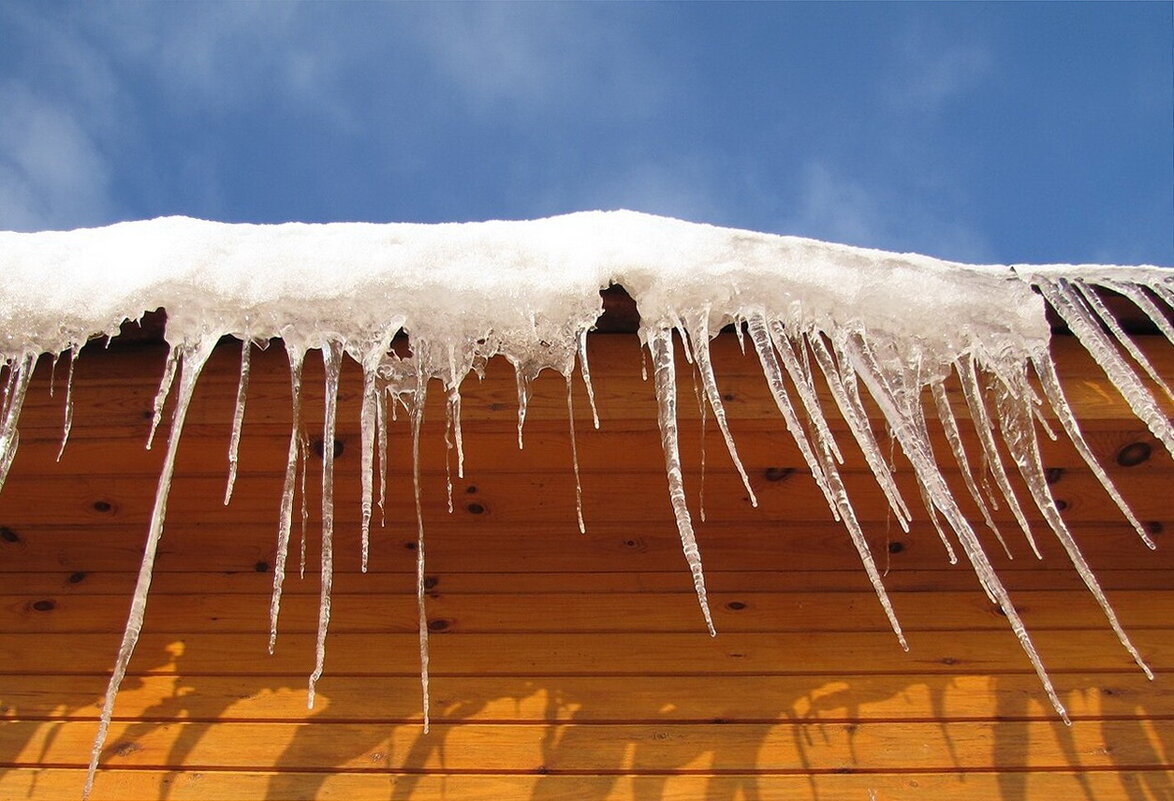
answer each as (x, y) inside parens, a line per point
(703, 413)
(801, 378)
(1140, 299)
(417, 420)
(585, 372)
(1015, 423)
(1054, 392)
(922, 461)
(1102, 311)
(164, 390)
(238, 419)
(823, 465)
(19, 377)
(660, 343)
(332, 362)
(523, 399)
(285, 518)
(1080, 320)
(194, 358)
(853, 413)
(699, 335)
(74, 352)
(972, 391)
(304, 450)
(760, 338)
(575, 457)
(954, 437)
(367, 426)
(448, 448)
(381, 424)
(454, 411)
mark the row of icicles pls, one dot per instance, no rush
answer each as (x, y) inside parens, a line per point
(843, 358)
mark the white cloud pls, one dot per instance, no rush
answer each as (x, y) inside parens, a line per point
(931, 70)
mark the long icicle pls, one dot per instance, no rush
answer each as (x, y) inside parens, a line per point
(164, 390)
(972, 391)
(1110, 321)
(1054, 392)
(238, 419)
(699, 336)
(1080, 320)
(954, 438)
(660, 343)
(381, 424)
(67, 426)
(332, 361)
(1140, 299)
(285, 519)
(585, 372)
(417, 420)
(194, 358)
(575, 457)
(18, 385)
(1015, 422)
(368, 423)
(919, 456)
(857, 420)
(837, 493)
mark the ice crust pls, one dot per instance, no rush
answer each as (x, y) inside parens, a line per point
(899, 325)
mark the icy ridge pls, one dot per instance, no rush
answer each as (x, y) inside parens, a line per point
(903, 326)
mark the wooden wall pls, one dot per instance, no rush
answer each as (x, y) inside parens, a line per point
(564, 665)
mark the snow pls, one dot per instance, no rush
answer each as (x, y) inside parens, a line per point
(529, 291)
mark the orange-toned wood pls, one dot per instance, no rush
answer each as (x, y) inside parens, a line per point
(564, 665)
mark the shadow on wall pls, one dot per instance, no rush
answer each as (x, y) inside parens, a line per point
(595, 737)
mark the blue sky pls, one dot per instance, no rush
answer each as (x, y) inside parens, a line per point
(1009, 132)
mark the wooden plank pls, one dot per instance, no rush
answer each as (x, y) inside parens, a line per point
(51, 584)
(682, 699)
(586, 612)
(528, 499)
(64, 784)
(454, 547)
(784, 547)
(576, 654)
(659, 747)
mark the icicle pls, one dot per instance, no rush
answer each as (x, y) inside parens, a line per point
(972, 391)
(367, 426)
(760, 338)
(454, 410)
(448, 448)
(417, 419)
(575, 458)
(381, 424)
(1102, 311)
(1140, 299)
(699, 335)
(824, 465)
(285, 518)
(1055, 395)
(74, 352)
(1015, 423)
(1164, 292)
(19, 377)
(1070, 306)
(332, 361)
(954, 437)
(703, 413)
(922, 461)
(523, 398)
(238, 419)
(304, 449)
(660, 343)
(53, 373)
(585, 372)
(194, 358)
(164, 389)
(853, 413)
(801, 378)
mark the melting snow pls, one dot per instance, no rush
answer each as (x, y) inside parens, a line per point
(529, 291)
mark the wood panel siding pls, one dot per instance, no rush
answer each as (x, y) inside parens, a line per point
(564, 665)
